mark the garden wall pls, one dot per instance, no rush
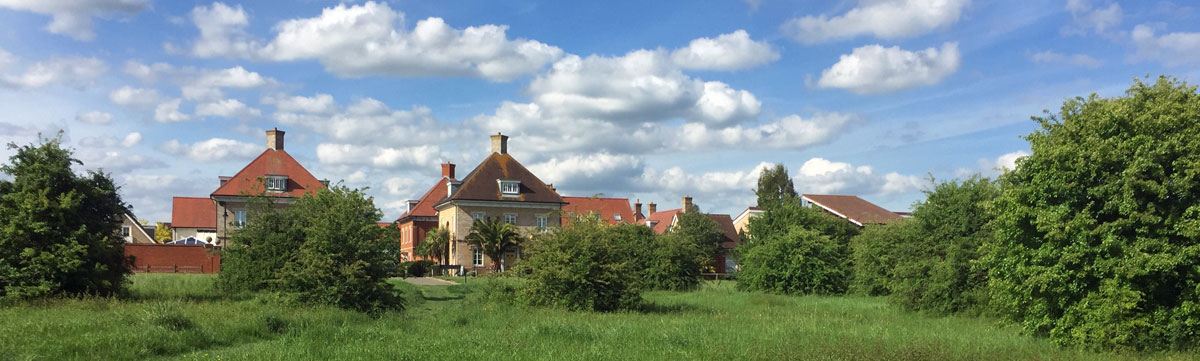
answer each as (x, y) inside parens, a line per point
(163, 258)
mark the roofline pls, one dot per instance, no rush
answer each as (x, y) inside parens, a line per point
(830, 210)
(134, 220)
(564, 197)
(209, 197)
(748, 211)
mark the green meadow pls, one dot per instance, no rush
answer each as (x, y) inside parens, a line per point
(182, 317)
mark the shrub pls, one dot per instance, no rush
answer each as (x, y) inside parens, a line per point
(800, 261)
(661, 262)
(58, 229)
(1098, 230)
(873, 254)
(416, 268)
(579, 268)
(259, 250)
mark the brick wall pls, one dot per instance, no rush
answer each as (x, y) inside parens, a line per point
(160, 258)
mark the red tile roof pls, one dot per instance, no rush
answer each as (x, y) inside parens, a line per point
(726, 225)
(607, 208)
(424, 207)
(663, 220)
(852, 208)
(193, 212)
(270, 162)
(481, 184)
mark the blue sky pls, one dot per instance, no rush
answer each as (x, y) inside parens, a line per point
(649, 100)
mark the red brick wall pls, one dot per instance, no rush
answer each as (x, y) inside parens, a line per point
(174, 258)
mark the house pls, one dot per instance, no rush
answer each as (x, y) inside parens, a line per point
(498, 188)
(132, 231)
(193, 217)
(743, 219)
(274, 173)
(612, 211)
(851, 208)
(421, 217)
(663, 222)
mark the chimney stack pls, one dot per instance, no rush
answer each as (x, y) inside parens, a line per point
(499, 143)
(448, 170)
(637, 210)
(275, 139)
(653, 208)
(687, 204)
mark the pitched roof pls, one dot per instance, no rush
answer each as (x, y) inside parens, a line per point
(270, 162)
(481, 184)
(424, 207)
(193, 212)
(726, 225)
(750, 211)
(607, 208)
(852, 208)
(662, 220)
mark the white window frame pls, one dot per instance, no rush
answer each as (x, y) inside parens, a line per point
(126, 231)
(617, 217)
(276, 183)
(509, 187)
(514, 218)
(542, 221)
(476, 257)
(478, 216)
(239, 218)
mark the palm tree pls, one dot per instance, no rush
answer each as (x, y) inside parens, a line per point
(435, 245)
(494, 238)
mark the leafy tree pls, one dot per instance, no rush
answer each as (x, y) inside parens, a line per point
(774, 186)
(257, 252)
(933, 263)
(1098, 230)
(874, 256)
(58, 229)
(162, 233)
(777, 219)
(435, 245)
(698, 230)
(580, 267)
(801, 261)
(494, 238)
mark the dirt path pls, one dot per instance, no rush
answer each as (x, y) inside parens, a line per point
(428, 281)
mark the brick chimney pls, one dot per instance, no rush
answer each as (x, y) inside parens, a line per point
(448, 170)
(275, 139)
(500, 143)
(653, 208)
(687, 204)
(637, 210)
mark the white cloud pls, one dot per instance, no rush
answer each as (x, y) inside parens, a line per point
(875, 69)
(884, 19)
(821, 176)
(75, 71)
(367, 121)
(212, 150)
(131, 139)
(398, 186)
(596, 172)
(1086, 18)
(74, 17)
(168, 112)
(229, 108)
(115, 161)
(1001, 164)
(317, 104)
(94, 117)
(753, 4)
(731, 51)
(1051, 57)
(1172, 49)
(378, 156)
(371, 39)
(135, 97)
(792, 131)
(198, 84)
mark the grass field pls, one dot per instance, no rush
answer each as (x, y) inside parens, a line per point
(182, 317)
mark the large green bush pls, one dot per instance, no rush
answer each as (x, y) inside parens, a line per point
(260, 250)
(58, 229)
(874, 256)
(801, 261)
(579, 267)
(1098, 231)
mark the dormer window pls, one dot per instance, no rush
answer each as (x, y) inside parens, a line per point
(276, 183)
(509, 187)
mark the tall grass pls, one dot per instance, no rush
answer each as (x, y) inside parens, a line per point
(181, 316)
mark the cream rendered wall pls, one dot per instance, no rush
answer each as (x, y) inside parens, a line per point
(458, 220)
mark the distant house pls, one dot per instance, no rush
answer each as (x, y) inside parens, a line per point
(421, 217)
(274, 173)
(743, 219)
(612, 211)
(193, 217)
(851, 208)
(132, 230)
(663, 222)
(498, 188)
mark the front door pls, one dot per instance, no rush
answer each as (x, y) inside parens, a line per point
(510, 259)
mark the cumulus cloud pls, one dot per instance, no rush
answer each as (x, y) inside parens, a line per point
(74, 71)
(367, 121)
(597, 172)
(229, 108)
(1085, 18)
(94, 117)
(196, 83)
(731, 51)
(116, 161)
(74, 17)
(168, 112)
(378, 156)
(317, 104)
(1050, 57)
(822, 176)
(372, 39)
(792, 131)
(136, 97)
(1172, 49)
(212, 150)
(875, 69)
(884, 19)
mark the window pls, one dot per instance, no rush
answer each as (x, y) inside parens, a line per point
(616, 217)
(510, 218)
(239, 218)
(124, 231)
(509, 187)
(476, 257)
(541, 222)
(478, 216)
(276, 183)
